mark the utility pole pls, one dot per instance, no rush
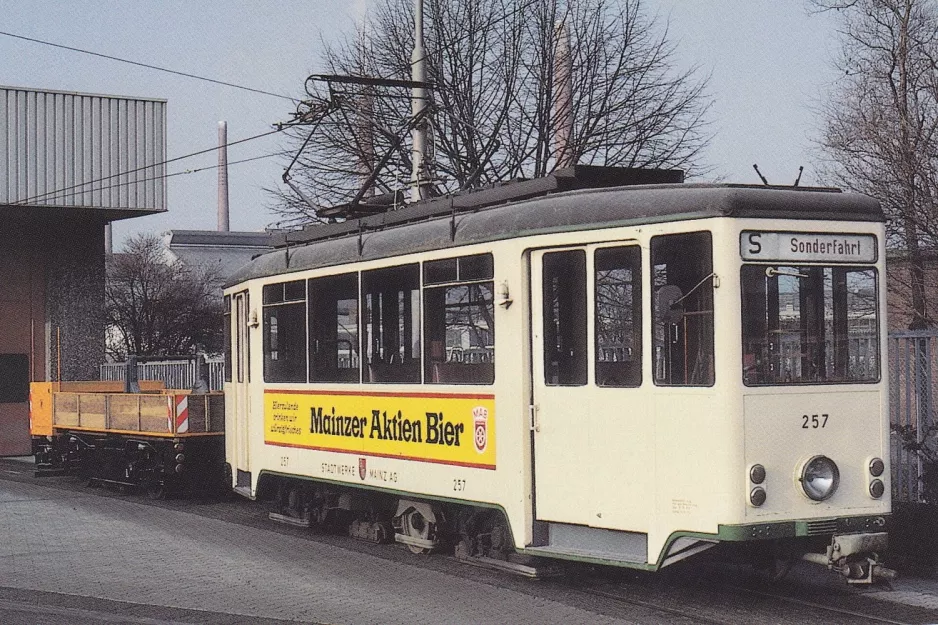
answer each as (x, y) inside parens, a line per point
(418, 67)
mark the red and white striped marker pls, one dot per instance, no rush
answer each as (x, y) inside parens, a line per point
(182, 414)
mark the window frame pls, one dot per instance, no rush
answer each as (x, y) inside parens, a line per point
(877, 332)
(576, 313)
(465, 274)
(332, 283)
(694, 285)
(635, 372)
(267, 305)
(390, 372)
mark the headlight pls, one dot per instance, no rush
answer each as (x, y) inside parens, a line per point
(819, 478)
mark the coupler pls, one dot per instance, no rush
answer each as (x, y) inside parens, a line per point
(856, 557)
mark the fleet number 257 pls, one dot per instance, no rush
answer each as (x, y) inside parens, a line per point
(813, 422)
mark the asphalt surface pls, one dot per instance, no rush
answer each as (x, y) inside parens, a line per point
(71, 554)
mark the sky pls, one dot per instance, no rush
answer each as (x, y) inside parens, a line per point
(768, 62)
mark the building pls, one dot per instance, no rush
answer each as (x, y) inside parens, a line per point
(70, 163)
(219, 252)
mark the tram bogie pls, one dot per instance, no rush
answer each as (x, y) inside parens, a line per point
(628, 375)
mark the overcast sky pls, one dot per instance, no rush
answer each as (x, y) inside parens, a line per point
(769, 63)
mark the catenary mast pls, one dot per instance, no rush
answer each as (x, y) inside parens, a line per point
(418, 61)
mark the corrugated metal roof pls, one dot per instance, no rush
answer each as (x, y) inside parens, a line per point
(65, 149)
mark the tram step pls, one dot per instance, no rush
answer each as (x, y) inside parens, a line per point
(289, 520)
(244, 491)
(591, 543)
(539, 570)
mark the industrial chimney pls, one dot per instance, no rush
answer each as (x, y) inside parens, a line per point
(563, 100)
(223, 225)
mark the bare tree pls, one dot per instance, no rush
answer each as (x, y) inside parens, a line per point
(159, 308)
(881, 126)
(495, 97)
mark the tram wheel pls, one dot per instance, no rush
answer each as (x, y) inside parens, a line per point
(417, 526)
(775, 562)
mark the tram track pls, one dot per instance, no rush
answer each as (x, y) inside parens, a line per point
(694, 615)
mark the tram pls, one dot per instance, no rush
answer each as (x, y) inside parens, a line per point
(604, 365)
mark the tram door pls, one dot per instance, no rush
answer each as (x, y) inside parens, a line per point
(586, 366)
(240, 378)
(561, 393)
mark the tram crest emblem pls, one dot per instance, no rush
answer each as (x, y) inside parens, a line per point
(362, 467)
(480, 419)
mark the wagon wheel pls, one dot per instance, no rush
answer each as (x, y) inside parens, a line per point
(156, 490)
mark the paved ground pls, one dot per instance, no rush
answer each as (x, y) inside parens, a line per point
(84, 545)
(74, 555)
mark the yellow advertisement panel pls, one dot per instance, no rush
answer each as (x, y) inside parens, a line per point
(456, 429)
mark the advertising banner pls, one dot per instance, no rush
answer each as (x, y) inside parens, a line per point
(455, 429)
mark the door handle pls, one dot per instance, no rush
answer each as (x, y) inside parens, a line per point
(535, 425)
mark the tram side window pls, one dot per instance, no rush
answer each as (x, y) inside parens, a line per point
(333, 329)
(682, 281)
(390, 324)
(618, 305)
(565, 341)
(459, 325)
(229, 364)
(285, 332)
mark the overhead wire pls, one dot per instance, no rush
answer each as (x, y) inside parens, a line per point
(148, 66)
(171, 175)
(57, 192)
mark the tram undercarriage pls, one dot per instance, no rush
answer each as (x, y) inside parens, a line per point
(474, 535)
(481, 536)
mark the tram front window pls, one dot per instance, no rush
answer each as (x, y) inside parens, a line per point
(809, 325)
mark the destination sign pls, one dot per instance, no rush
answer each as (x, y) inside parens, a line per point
(807, 247)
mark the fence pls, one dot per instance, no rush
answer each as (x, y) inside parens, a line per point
(913, 375)
(173, 373)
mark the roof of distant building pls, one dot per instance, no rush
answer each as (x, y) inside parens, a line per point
(226, 252)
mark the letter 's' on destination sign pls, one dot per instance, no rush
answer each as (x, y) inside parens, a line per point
(807, 247)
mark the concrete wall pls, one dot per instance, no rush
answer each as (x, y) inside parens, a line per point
(51, 307)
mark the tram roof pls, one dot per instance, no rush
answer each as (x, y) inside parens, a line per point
(455, 221)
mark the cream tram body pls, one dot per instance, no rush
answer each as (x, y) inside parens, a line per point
(642, 383)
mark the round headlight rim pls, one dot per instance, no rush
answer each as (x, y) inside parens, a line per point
(877, 484)
(757, 474)
(757, 496)
(835, 478)
(877, 467)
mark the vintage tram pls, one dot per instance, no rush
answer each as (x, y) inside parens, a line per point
(604, 365)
